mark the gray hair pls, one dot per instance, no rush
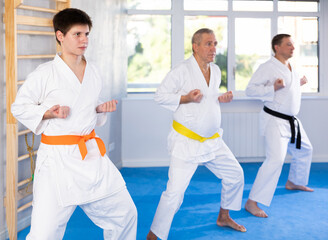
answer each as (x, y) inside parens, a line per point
(197, 37)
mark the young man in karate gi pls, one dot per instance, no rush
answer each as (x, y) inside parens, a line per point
(278, 85)
(191, 91)
(60, 100)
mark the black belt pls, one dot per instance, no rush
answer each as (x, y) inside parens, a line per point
(291, 120)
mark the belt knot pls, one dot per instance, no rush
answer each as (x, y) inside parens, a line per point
(75, 139)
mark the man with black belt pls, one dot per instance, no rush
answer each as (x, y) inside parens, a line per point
(277, 84)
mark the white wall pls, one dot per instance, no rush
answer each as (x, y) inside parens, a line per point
(145, 126)
(106, 49)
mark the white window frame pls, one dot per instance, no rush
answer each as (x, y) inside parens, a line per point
(178, 13)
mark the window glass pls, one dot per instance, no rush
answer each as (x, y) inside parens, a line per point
(298, 6)
(149, 4)
(219, 26)
(255, 5)
(252, 47)
(210, 5)
(149, 51)
(304, 32)
(150, 42)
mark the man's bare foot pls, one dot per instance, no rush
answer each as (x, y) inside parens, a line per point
(151, 236)
(224, 220)
(291, 186)
(251, 206)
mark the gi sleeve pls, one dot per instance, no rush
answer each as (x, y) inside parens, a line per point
(260, 86)
(168, 93)
(101, 117)
(27, 107)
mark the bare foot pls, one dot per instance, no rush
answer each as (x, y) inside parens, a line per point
(224, 220)
(251, 206)
(291, 186)
(151, 236)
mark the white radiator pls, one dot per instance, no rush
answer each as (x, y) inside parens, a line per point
(241, 134)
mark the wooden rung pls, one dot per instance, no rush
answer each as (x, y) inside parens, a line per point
(63, 1)
(21, 183)
(29, 32)
(20, 82)
(35, 56)
(33, 21)
(24, 132)
(22, 193)
(26, 7)
(25, 206)
(25, 156)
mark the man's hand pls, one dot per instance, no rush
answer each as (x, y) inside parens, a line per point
(303, 80)
(226, 97)
(193, 96)
(56, 111)
(279, 84)
(109, 106)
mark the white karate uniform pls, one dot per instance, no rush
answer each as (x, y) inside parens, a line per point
(203, 118)
(277, 131)
(62, 179)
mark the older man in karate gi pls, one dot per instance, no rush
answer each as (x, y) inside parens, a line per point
(278, 85)
(190, 90)
(60, 100)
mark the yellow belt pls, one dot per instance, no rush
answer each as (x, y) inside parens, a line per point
(190, 134)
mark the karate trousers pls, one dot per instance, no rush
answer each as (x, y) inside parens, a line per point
(225, 166)
(115, 214)
(277, 146)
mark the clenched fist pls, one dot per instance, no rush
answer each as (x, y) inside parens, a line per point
(279, 84)
(303, 80)
(109, 106)
(56, 111)
(195, 95)
(226, 97)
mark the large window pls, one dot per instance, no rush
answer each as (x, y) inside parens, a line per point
(159, 37)
(252, 47)
(149, 50)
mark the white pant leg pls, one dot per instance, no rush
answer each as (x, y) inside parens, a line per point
(227, 168)
(301, 162)
(180, 173)
(268, 175)
(48, 218)
(116, 214)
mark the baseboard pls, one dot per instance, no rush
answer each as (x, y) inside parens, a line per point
(21, 224)
(320, 159)
(119, 165)
(3, 235)
(131, 163)
(145, 163)
(315, 159)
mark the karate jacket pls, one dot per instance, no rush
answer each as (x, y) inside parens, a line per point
(286, 100)
(77, 181)
(203, 118)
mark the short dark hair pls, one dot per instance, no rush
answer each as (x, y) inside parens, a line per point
(197, 37)
(64, 20)
(276, 40)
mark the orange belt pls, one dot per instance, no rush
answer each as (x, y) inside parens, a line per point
(75, 139)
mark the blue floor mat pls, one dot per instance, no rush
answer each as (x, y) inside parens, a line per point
(292, 214)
